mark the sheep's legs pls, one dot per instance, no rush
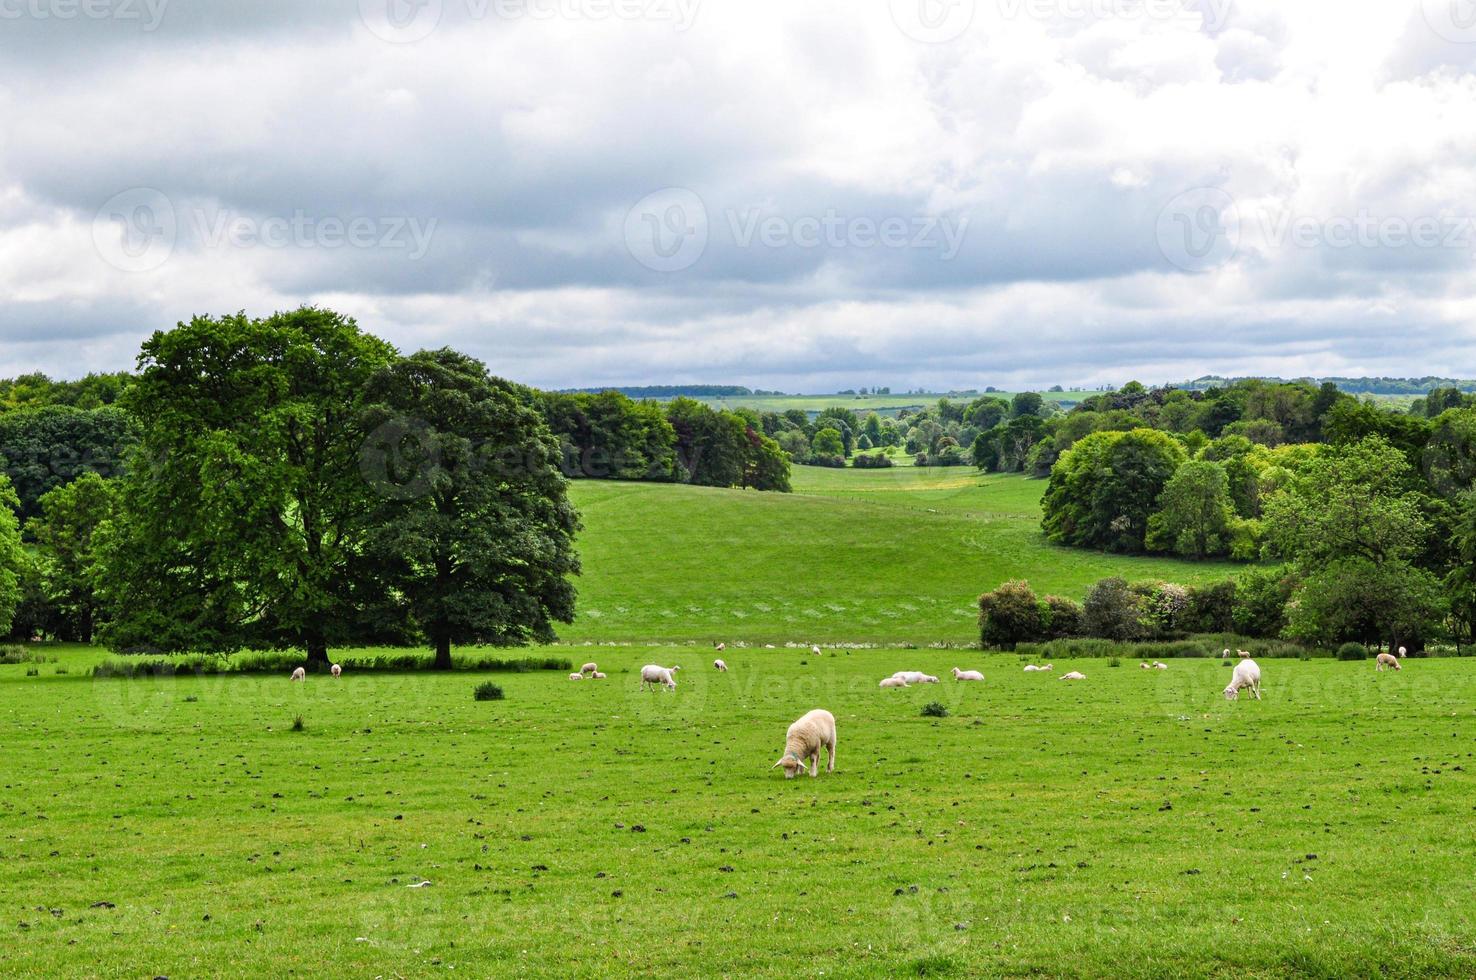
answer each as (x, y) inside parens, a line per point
(1256, 690)
(831, 748)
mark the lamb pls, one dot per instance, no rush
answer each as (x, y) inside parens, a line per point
(1074, 675)
(803, 742)
(1146, 666)
(589, 668)
(815, 650)
(967, 675)
(719, 666)
(597, 676)
(577, 677)
(1244, 654)
(1388, 660)
(1247, 674)
(1159, 665)
(300, 674)
(720, 647)
(654, 674)
(892, 682)
(336, 670)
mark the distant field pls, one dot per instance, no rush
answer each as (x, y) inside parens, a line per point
(882, 404)
(883, 556)
(1134, 824)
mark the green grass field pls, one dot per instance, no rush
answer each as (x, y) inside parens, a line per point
(1134, 824)
(852, 556)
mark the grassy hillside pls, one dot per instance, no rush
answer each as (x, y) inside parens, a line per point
(1134, 824)
(894, 555)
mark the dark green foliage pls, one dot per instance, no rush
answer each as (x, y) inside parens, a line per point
(298, 725)
(1352, 651)
(1060, 617)
(1261, 595)
(67, 556)
(1113, 611)
(1104, 489)
(471, 537)
(487, 691)
(878, 461)
(607, 436)
(934, 709)
(49, 446)
(1211, 608)
(1009, 615)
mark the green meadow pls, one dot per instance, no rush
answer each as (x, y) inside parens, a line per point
(1132, 824)
(389, 825)
(852, 556)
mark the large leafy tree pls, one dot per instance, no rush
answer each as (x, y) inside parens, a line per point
(244, 506)
(1194, 512)
(47, 446)
(66, 535)
(1103, 491)
(13, 559)
(473, 534)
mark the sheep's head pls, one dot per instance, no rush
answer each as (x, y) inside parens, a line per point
(1232, 693)
(793, 765)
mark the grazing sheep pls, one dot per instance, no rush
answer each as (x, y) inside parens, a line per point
(815, 650)
(719, 666)
(892, 682)
(1388, 660)
(577, 677)
(1160, 665)
(654, 674)
(1225, 654)
(1247, 674)
(967, 675)
(597, 676)
(1074, 675)
(589, 668)
(803, 742)
(1244, 654)
(720, 647)
(336, 670)
(300, 674)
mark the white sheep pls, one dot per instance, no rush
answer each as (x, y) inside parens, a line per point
(1160, 665)
(803, 742)
(910, 676)
(597, 676)
(1247, 674)
(1402, 652)
(1225, 654)
(336, 670)
(589, 668)
(892, 682)
(967, 675)
(1388, 660)
(720, 647)
(654, 674)
(300, 674)
(1074, 675)
(1145, 665)
(1244, 654)
(815, 650)
(719, 666)
(1032, 668)
(577, 677)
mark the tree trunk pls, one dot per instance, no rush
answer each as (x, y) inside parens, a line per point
(317, 652)
(443, 652)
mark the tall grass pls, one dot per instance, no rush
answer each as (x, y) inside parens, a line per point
(284, 661)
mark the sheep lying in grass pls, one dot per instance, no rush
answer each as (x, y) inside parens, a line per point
(589, 668)
(597, 676)
(719, 666)
(803, 742)
(910, 676)
(892, 682)
(967, 675)
(1160, 665)
(1388, 660)
(577, 677)
(300, 674)
(1145, 665)
(1247, 674)
(720, 647)
(336, 670)
(654, 674)
(1074, 675)
(1030, 668)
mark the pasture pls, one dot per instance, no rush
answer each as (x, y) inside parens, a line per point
(852, 556)
(1132, 824)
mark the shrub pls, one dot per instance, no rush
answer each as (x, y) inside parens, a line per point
(487, 691)
(1261, 595)
(1060, 617)
(880, 461)
(1009, 615)
(298, 724)
(32, 672)
(1112, 611)
(1352, 651)
(934, 709)
(1211, 608)
(1115, 662)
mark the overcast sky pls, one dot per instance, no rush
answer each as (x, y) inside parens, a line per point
(798, 195)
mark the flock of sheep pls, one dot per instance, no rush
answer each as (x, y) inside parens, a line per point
(816, 730)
